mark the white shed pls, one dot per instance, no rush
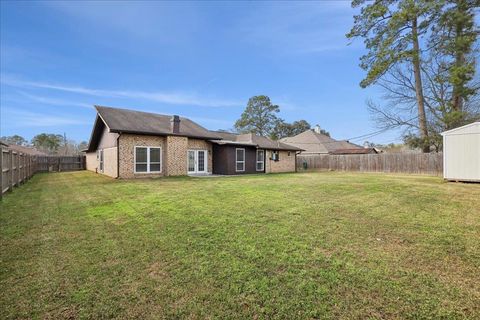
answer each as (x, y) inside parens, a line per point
(461, 153)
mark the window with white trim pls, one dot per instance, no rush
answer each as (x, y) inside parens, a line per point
(260, 159)
(239, 159)
(148, 160)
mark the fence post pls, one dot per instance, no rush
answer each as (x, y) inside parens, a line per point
(15, 172)
(21, 167)
(28, 166)
(10, 182)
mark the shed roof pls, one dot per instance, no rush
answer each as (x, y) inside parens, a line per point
(314, 142)
(473, 127)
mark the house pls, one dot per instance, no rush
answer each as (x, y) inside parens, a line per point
(25, 149)
(313, 142)
(461, 153)
(130, 144)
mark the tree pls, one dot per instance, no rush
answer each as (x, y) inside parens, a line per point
(299, 126)
(392, 31)
(283, 129)
(15, 139)
(259, 116)
(399, 103)
(454, 37)
(47, 142)
(280, 130)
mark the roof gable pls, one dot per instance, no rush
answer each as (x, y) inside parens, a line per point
(313, 142)
(469, 128)
(96, 134)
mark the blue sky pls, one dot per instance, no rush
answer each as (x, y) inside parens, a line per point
(201, 60)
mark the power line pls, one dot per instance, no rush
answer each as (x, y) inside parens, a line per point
(372, 134)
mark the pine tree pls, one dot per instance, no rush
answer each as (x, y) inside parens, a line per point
(392, 31)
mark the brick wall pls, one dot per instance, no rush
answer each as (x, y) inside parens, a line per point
(176, 155)
(198, 144)
(285, 164)
(127, 143)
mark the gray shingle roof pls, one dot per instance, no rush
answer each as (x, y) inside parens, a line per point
(313, 142)
(130, 121)
(250, 139)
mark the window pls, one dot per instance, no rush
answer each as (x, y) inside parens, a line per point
(260, 160)
(240, 159)
(275, 156)
(100, 156)
(148, 159)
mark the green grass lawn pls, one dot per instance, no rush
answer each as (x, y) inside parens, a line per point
(286, 246)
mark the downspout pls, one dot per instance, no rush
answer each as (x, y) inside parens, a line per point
(296, 169)
(118, 155)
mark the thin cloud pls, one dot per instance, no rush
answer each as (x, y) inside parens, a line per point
(162, 97)
(54, 101)
(212, 121)
(32, 119)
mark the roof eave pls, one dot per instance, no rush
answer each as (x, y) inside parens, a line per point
(97, 118)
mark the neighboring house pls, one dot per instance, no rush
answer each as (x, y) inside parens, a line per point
(27, 150)
(313, 142)
(129, 144)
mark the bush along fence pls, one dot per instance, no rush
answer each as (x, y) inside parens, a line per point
(17, 167)
(414, 163)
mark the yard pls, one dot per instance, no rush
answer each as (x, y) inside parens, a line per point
(310, 245)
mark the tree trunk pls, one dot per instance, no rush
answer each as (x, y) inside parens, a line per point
(422, 119)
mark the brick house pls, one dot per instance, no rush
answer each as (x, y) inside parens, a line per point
(131, 144)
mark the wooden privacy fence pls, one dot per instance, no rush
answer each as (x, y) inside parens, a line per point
(60, 163)
(17, 167)
(419, 163)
